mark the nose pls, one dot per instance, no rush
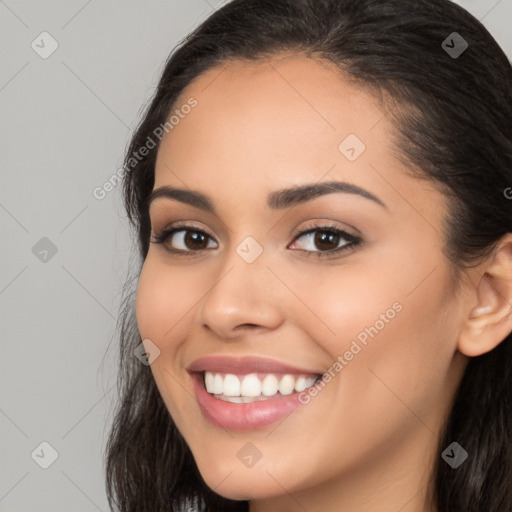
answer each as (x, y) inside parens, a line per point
(242, 297)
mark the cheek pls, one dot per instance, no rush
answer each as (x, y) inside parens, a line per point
(396, 357)
(149, 303)
(339, 305)
(163, 298)
(388, 332)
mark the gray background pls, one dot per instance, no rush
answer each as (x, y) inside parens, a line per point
(65, 122)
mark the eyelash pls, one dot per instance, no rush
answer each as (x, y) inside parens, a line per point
(352, 240)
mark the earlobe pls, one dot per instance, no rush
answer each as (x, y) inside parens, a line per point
(489, 322)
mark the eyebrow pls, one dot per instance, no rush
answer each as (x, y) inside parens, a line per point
(276, 200)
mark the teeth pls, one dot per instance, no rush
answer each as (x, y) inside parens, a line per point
(300, 384)
(218, 384)
(251, 388)
(209, 378)
(270, 385)
(231, 385)
(287, 385)
(310, 381)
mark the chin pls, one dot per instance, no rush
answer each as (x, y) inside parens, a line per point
(232, 480)
(250, 486)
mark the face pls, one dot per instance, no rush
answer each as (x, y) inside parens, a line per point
(350, 283)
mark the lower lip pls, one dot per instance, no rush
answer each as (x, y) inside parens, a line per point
(249, 416)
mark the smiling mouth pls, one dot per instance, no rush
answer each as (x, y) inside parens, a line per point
(253, 387)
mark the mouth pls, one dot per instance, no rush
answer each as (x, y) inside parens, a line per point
(248, 393)
(255, 387)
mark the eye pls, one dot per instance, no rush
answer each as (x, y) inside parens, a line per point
(327, 239)
(187, 238)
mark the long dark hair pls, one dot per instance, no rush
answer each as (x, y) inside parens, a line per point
(452, 118)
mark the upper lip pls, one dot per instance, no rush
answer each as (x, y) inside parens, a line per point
(243, 365)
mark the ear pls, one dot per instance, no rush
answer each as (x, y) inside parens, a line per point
(489, 322)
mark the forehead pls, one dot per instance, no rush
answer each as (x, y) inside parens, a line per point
(271, 124)
(289, 109)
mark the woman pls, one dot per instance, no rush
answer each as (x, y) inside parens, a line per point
(323, 313)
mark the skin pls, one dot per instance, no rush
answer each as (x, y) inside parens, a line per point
(368, 440)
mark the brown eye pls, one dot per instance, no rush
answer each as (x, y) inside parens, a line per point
(194, 240)
(184, 239)
(323, 239)
(326, 240)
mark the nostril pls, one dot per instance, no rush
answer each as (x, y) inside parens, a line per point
(248, 325)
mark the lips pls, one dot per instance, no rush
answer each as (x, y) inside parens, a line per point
(245, 365)
(240, 415)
